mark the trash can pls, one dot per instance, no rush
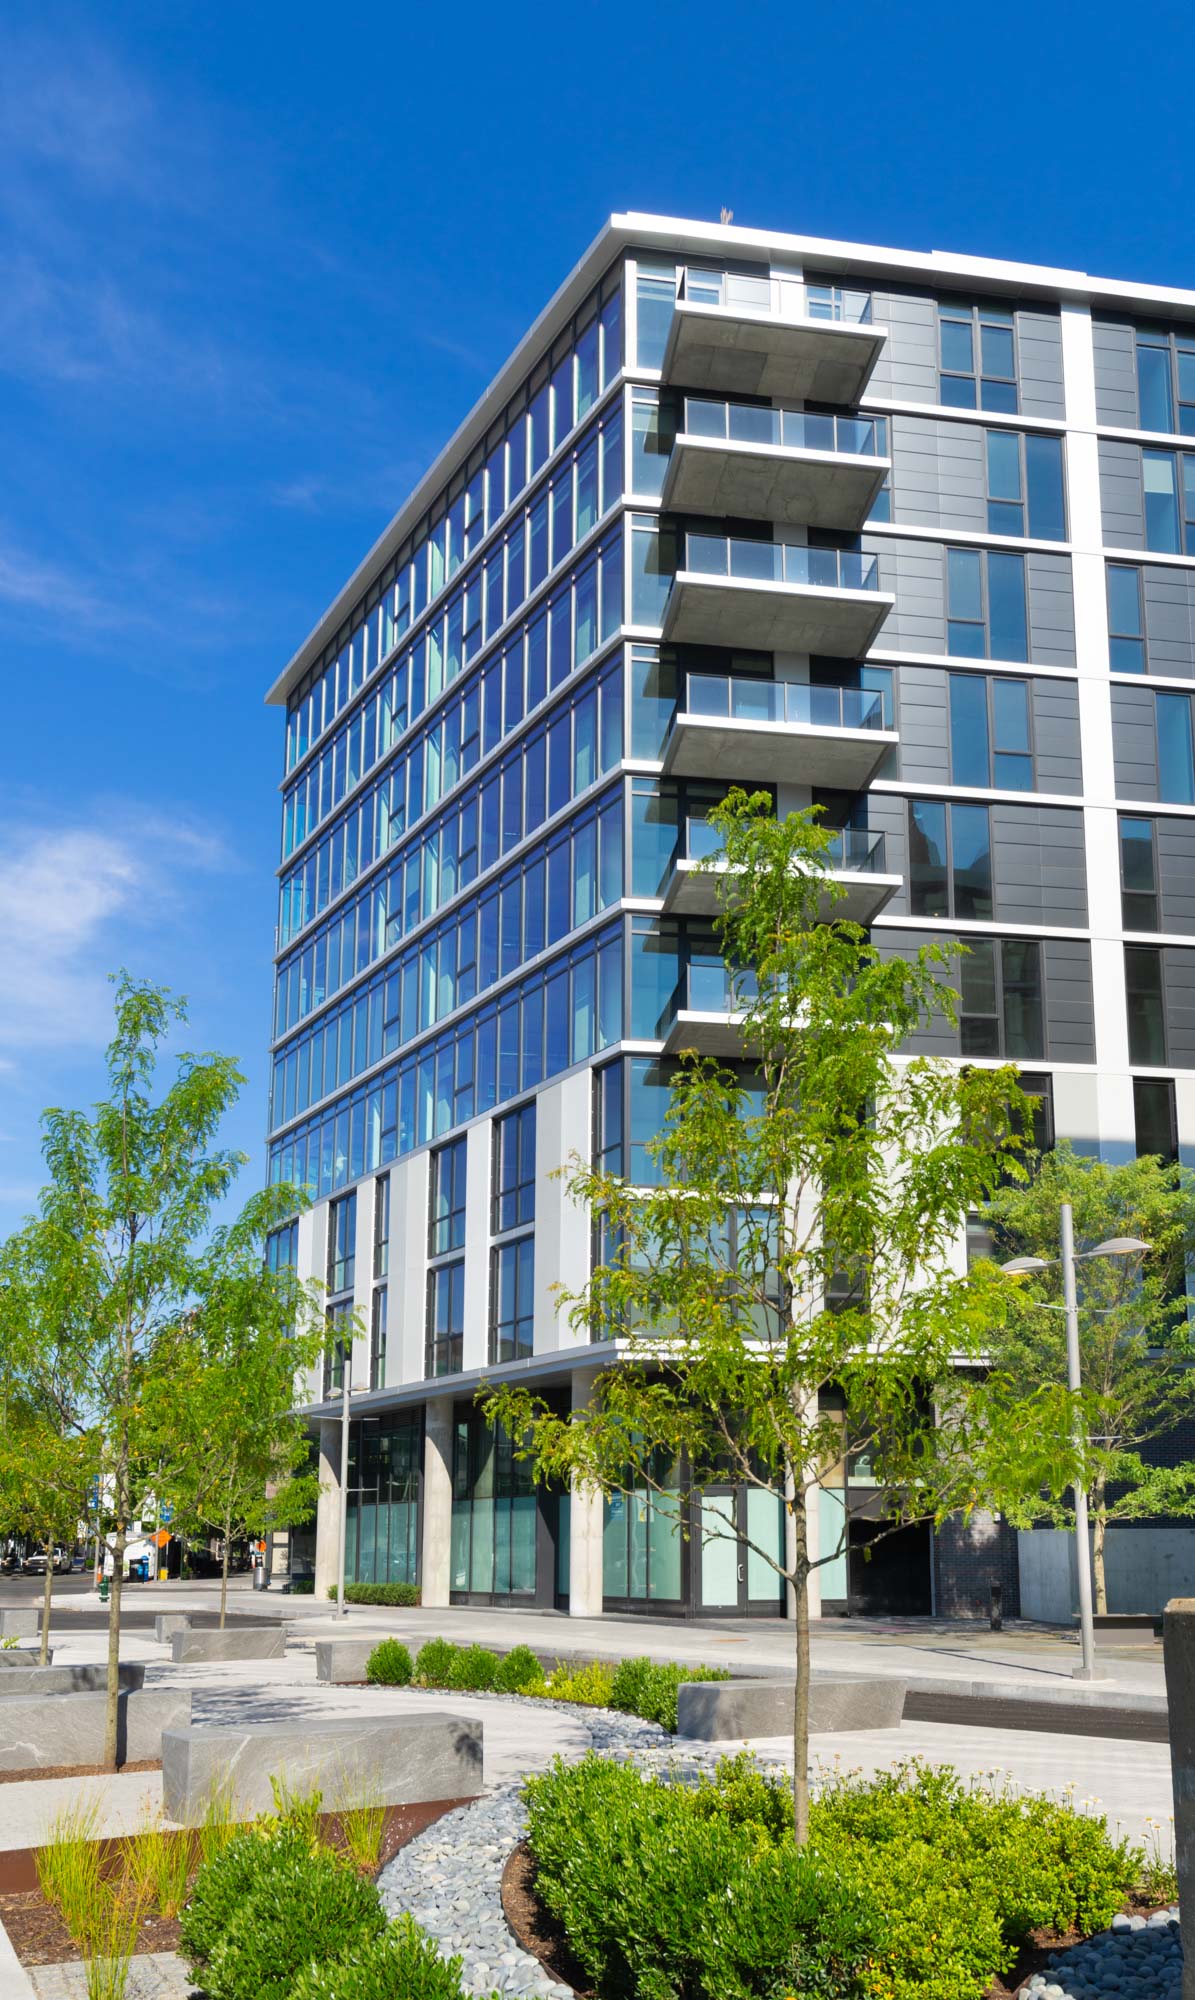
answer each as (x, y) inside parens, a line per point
(260, 1580)
(139, 1570)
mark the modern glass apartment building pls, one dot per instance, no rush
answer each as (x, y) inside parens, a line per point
(909, 537)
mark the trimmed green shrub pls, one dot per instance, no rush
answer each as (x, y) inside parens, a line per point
(519, 1671)
(913, 1884)
(590, 1683)
(657, 1901)
(473, 1670)
(406, 1595)
(657, 1696)
(230, 1879)
(434, 1661)
(389, 1663)
(309, 1913)
(401, 1964)
(629, 1679)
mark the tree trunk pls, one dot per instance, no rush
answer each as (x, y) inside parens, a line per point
(801, 1687)
(112, 1713)
(47, 1594)
(224, 1576)
(1099, 1535)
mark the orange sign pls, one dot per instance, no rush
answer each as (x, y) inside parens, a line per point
(162, 1537)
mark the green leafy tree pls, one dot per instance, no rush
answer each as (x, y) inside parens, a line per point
(802, 1238)
(49, 1451)
(1135, 1349)
(220, 1396)
(136, 1184)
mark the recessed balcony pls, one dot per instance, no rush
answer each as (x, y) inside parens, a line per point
(794, 467)
(709, 1017)
(855, 862)
(740, 350)
(775, 597)
(778, 732)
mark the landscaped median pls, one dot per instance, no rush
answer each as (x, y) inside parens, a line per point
(635, 1687)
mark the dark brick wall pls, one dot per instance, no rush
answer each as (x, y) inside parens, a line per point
(969, 1557)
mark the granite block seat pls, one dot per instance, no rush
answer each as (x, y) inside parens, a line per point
(388, 1760)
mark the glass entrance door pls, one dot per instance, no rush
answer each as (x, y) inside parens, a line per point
(723, 1568)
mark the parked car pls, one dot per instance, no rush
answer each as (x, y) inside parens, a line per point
(35, 1565)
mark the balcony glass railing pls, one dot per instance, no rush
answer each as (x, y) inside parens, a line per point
(780, 562)
(854, 850)
(802, 430)
(784, 701)
(708, 988)
(838, 302)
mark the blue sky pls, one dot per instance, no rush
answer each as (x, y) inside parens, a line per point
(255, 264)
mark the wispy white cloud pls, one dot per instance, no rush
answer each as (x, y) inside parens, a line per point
(73, 898)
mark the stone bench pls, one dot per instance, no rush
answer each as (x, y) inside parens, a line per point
(245, 1642)
(32, 1679)
(20, 1621)
(42, 1730)
(387, 1760)
(23, 1656)
(167, 1623)
(726, 1711)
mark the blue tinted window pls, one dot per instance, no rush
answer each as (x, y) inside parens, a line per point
(964, 603)
(958, 346)
(1176, 766)
(1012, 758)
(927, 858)
(1153, 386)
(655, 298)
(1126, 638)
(1161, 501)
(1006, 607)
(1045, 489)
(971, 861)
(968, 730)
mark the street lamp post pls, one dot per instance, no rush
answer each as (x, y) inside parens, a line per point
(1115, 1246)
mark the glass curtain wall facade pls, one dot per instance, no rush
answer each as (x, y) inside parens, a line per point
(842, 550)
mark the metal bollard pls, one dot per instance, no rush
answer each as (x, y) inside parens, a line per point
(997, 1615)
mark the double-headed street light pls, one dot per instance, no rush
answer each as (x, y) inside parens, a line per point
(1115, 1246)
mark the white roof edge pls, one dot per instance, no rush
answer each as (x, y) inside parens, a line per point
(676, 232)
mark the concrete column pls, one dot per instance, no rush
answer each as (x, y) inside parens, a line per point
(327, 1515)
(586, 1521)
(436, 1570)
(1178, 1652)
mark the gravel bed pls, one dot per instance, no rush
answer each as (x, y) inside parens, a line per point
(1139, 1958)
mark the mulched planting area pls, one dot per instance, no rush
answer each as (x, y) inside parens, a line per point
(539, 1933)
(39, 1936)
(37, 1771)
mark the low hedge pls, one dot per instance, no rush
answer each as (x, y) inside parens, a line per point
(637, 1687)
(913, 1883)
(406, 1595)
(401, 1964)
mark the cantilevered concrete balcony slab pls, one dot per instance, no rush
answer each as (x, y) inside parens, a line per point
(733, 350)
(778, 732)
(855, 863)
(710, 1034)
(775, 597)
(754, 463)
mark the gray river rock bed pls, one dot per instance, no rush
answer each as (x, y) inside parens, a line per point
(1139, 1958)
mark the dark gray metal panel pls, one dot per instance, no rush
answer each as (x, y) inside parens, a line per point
(1039, 873)
(1169, 620)
(938, 1037)
(1178, 985)
(1058, 762)
(908, 363)
(1135, 742)
(938, 474)
(1070, 1003)
(915, 573)
(889, 815)
(1176, 873)
(1039, 340)
(1121, 497)
(924, 745)
(1115, 374)
(1051, 610)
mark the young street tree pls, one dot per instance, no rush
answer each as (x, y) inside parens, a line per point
(135, 1185)
(801, 1237)
(1137, 1361)
(49, 1451)
(220, 1398)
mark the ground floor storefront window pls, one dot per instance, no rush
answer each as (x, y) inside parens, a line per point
(383, 1500)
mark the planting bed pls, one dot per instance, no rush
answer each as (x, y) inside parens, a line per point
(37, 1772)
